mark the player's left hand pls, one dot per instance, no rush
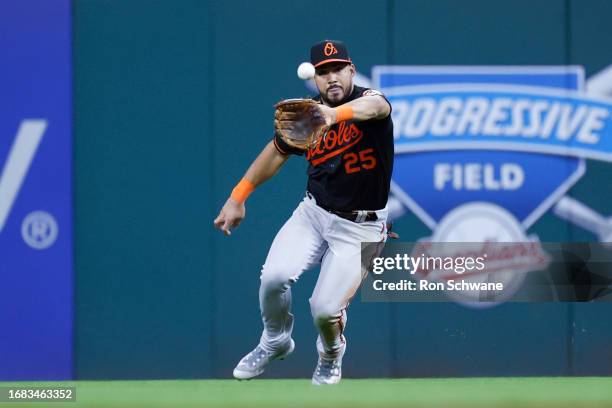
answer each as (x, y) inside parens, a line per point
(299, 122)
(230, 216)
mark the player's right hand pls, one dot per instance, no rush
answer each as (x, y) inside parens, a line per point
(230, 216)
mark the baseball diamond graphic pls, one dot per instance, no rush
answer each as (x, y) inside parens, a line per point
(512, 140)
(538, 118)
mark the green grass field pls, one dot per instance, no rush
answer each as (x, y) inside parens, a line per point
(371, 393)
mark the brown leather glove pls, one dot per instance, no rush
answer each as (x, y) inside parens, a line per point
(299, 122)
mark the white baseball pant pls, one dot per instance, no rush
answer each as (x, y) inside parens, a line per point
(313, 236)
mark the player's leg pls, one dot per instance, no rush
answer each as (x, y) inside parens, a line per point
(297, 247)
(341, 275)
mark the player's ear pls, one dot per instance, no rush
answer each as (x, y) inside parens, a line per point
(353, 69)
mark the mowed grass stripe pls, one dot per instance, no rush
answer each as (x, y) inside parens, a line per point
(381, 393)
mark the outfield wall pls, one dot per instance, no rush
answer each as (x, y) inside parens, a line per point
(172, 100)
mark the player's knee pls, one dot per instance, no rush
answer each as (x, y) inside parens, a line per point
(275, 279)
(323, 314)
(274, 283)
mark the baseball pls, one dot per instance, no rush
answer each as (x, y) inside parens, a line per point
(306, 71)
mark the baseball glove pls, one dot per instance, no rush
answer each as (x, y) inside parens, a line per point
(299, 122)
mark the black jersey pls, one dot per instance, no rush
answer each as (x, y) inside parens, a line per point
(350, 168)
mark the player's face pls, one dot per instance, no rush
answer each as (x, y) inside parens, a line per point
(335, 81)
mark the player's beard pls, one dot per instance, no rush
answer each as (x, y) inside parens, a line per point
(340, 101)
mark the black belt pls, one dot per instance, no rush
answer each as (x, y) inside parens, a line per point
(355, 216)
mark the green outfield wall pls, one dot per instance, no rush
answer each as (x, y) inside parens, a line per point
(173, 99)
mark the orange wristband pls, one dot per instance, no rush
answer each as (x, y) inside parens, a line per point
(242, 190)
(343, 113)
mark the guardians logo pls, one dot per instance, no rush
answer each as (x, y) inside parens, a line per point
(483, 152)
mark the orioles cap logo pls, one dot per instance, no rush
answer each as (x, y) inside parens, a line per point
(329, 49)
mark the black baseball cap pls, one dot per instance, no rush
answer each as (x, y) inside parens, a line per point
(328, 51)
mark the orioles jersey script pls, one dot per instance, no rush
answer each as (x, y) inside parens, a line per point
(350, 167)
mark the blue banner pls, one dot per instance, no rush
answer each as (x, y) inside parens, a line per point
(36, 294)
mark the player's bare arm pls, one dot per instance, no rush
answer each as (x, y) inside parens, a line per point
(264, 167)
(364, 108)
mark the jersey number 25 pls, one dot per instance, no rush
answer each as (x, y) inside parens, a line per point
(354, 162)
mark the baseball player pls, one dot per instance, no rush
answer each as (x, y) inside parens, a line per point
(345, 204)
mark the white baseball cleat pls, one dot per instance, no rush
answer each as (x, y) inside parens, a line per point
(328, 370)
(254, 363)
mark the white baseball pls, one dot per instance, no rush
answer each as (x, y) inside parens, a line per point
(306, 71)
